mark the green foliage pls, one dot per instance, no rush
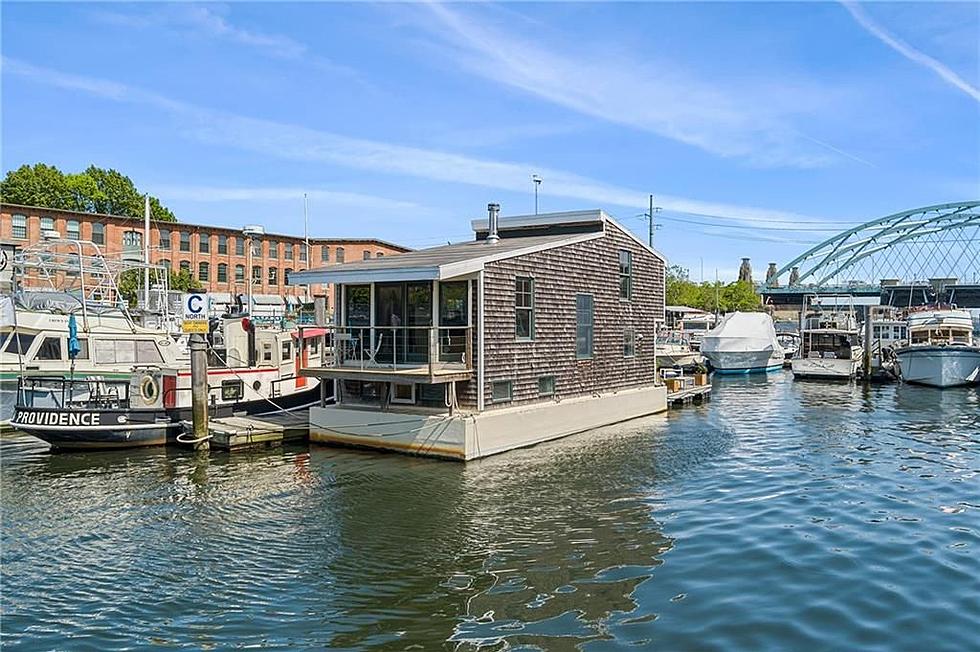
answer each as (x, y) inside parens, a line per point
(738, 295)
(96, 190)
(130, 283)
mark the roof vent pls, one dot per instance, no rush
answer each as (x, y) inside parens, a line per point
(494, 216)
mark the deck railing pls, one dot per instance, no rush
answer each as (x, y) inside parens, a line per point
(399, 347)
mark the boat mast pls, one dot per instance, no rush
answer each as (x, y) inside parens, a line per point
(146, 252)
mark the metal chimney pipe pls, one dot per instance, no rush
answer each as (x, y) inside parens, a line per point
(494, 215)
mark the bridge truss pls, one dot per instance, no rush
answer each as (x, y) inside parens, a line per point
(913, 246)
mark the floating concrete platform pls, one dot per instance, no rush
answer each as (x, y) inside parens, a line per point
(238, 432)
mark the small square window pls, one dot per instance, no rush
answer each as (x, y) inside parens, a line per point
(403, 393)
(501, 391)
(546, 386)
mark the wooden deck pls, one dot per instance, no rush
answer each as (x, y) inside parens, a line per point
(689, 395)
(235, 433)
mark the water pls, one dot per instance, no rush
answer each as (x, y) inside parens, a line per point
(780, 516)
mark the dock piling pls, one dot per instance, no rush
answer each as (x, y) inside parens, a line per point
(199, 391)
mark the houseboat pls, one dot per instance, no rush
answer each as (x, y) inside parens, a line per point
(941, 351)
(540, 327)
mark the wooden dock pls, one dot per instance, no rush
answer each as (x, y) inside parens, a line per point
(692, 394)
(240, 432)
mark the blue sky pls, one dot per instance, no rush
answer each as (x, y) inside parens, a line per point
(759, 127)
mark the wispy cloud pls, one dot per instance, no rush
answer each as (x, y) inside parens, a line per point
(201, 193)
(299, 143)
(750, 122)
(207, 22)
(909, 52)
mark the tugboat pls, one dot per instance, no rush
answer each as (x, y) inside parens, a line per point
(941, 351)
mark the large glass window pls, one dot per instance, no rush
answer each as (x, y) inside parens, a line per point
(73, 230)
(239, 272)
(222, 273)
(239, 246)
(204, 243)
(287, 250)
(164, 241)
(625, 274)
(222, 244)
(358, 305)
(98, 233)
(273, 250)
(47, 224)
(50, 349)
(203, 272)
(19, 224)
(525, 308)
(185, 241)
(584, 327)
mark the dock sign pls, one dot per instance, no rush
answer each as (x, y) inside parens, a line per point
(196, 309)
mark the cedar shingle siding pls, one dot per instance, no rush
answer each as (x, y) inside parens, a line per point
(559, 274)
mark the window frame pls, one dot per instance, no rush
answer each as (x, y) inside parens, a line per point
(629, 342)
(240, 278)
(529, 309)
(185, 241)
(47, 223)
(204, 271)
(69, 230)
(324, 254)
(546, 393)
(23, 228)
(163, 239)
(203, 243)
(222, 244)
(626, 276)
(510, 391)
(580, 326)
(404, 401)
(98, 233)
(222, 275)
(239, 246)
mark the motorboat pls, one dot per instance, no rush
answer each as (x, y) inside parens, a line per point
(829, 347)
(79, 372)
(674, 350)
(744, 342)
(941, 351)
(694, 327)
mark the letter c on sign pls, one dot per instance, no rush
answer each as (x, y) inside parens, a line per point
(194, 303)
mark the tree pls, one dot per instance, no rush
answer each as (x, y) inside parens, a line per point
(710, 296)
(740, 295)
(130, 283)
(96, 190)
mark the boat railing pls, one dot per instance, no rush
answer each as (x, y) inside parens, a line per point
(91, 392)
(400, 347)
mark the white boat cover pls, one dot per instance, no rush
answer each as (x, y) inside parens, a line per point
(8, 317)
(742, 332)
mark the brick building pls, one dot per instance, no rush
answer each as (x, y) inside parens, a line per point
(217, 256)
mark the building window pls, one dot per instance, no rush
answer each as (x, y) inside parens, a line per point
(629, 343)
(273, 250)
(367, 255)
(47, 224)
(203, 272)
(625, 274)
(239, 246)
(340, 254)
(583, 326)
(302, 253)
(546, 386)
(73, 230)
(239, 272)
(501, 391)
(223, 245)
(165, 263)
(286, 273)
(98, 233)
(257, 274)
(132, 240)
(222, 273)
(324, 254)
(203, 243)
(380, 254)
(402, 392)
(164, 241)
(256, 247)
(273, 276)
(288, 250)
(525, 308)
(19, 224)
(185, 266)
(185, 241)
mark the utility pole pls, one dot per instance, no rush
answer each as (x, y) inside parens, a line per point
(652, 225)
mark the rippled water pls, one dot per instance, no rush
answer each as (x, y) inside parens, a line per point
(781, 515)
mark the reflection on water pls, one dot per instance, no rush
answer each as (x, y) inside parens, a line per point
(781, 515)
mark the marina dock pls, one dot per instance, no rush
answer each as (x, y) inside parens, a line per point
(241, 432)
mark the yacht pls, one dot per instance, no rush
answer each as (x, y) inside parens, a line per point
(674, 350)
(744, 342)
(829, 347)
(941, 351)
(79, 372)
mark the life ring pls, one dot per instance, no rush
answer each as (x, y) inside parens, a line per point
(149, 390)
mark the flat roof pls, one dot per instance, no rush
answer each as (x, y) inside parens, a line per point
(436, 263)
(164, 223)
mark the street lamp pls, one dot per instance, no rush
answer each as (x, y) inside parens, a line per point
(536, 180)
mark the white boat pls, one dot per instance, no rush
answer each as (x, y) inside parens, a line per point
(744, 342)
(674, 350)
(941, 351)
(694, 327)
(829, 347)
(140, 373)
